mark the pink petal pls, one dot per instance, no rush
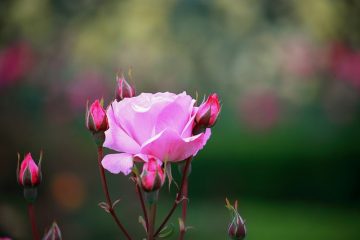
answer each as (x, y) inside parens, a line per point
(175, 115)
(116, 138)
(137, 116)
(116, 163)
(168, 145)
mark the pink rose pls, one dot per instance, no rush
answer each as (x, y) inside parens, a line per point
(151, 125)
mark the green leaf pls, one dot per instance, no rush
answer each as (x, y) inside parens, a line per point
(167, 231)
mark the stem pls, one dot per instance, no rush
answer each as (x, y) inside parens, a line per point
(178, 197)
(34, 230)
(141, 198)
(152, 221)
(184, 208)
(107, 195)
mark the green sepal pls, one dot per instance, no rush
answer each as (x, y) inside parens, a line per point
(151, 197)
(30, 194)
(99, 138)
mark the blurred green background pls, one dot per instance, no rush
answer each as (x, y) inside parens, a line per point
(286, 144)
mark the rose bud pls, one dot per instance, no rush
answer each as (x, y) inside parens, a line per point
(28, 173)
(123, 89)
(208, 112)
(237, 229)
(152, 176)
(54, 233)
(96, 119)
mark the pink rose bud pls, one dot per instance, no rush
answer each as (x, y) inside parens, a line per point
(208, 112)
(96, 119)
(54, 233)
(28, 173)
(237, 229)
(152, 176)
(123, 89)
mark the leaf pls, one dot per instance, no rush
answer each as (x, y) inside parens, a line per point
(143, 223)
(167, 231)
(104, 206)
(115, 202)
(169, 174)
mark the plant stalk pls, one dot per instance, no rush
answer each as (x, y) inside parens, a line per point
(152, 221)
(107, 195)
(178, 197)
(32, 218)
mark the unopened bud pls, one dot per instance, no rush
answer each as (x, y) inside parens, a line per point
(96, 119)
(123, 89)
(208, 112)
(53, 233)
(28, 173)
(236, 229)
(152, 176)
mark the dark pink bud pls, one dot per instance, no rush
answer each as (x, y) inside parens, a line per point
(54, 233)
(29, 174)
(96, 119)
(208, 112)
(152, 176)
(237, 229)
(123, 89)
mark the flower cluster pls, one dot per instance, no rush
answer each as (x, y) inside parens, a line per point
(155, 130)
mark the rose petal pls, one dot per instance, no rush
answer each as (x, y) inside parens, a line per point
(116, 163)
(175, 115)
(168, 145)
(116, 138)
(137, 116)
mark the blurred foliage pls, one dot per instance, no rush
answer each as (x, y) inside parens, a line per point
(287, 71)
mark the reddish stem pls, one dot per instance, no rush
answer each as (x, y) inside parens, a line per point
(141, 198)
(152, 222)
(34, 230)
(178, 197)
(107, 195)
(184, 208)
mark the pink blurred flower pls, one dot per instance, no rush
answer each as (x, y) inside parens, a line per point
(260, 110)
(87, 85)
(345, 63)
(208, 111)
(151, 125)
(29, 174)
(96, 119)
(299, 57)
(15, 61)
(152, 176)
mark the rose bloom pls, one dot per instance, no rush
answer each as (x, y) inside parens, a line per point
(156, 125)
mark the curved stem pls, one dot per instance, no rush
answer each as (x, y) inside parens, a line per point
(141, 198)
(178, 197)
(107, 195)
(184, 208)
(34, 229)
